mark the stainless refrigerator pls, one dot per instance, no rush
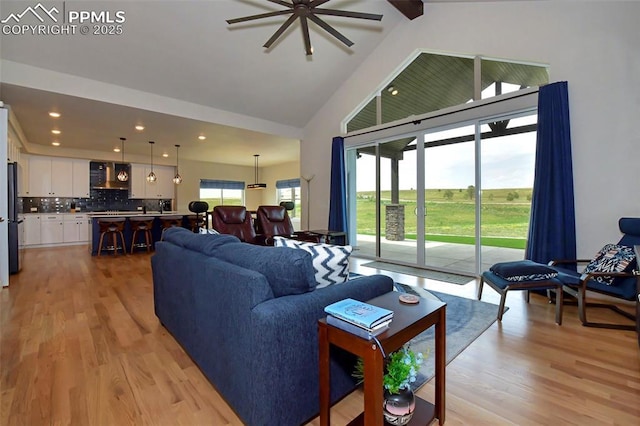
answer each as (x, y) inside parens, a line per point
(15, 224)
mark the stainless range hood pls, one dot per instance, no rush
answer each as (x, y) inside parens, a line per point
(104, 175)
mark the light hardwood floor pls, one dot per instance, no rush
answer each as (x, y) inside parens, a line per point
(80, 345)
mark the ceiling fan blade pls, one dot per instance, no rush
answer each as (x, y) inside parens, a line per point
(316, 3)
(280, 30)
(262, 15)
(282, 3)
(328, 28)
(348, 14)
(305, 34)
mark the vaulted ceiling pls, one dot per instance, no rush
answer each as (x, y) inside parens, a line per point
(184, 51)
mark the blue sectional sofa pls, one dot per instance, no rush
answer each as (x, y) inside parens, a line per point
(247, 315)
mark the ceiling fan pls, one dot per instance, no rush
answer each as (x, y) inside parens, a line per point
(303, 10)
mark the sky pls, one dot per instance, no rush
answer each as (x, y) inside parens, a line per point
(507, 162)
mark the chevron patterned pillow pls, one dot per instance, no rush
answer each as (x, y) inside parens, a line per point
(331, 263)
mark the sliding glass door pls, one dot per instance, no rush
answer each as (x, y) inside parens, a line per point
(450, 196)
(507, 161)
(455, 199)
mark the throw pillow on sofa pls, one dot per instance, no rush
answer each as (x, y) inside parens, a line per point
(331, 263)
(288, 271)
(612, 258)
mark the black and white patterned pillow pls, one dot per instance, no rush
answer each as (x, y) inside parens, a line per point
(331, 263)
(208, 231)
(611, 258)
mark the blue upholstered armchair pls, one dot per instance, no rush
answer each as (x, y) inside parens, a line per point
(612, 272)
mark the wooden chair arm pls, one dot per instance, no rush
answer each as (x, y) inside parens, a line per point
(562, 261)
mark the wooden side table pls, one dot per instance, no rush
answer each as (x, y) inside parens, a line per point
(408, 322)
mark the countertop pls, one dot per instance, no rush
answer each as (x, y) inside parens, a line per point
(150, 213)
(138, 213)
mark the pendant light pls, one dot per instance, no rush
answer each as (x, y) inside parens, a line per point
(151, 177)
(177, 179)
(123, 176)
(256, 185)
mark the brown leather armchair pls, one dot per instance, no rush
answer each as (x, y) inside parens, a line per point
(234, 220)
(274, 221)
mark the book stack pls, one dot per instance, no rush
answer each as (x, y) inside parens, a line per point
(359, 318)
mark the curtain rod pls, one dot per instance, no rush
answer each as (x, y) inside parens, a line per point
(442, 114)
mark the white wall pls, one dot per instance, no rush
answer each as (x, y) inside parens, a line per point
(592, 45)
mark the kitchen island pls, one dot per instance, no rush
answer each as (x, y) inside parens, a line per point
(156, 230)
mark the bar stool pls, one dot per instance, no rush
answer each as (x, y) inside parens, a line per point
(143, 225)
(196, 222)
(169, 222)
(112, 227)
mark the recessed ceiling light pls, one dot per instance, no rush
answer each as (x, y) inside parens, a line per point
(139, 128)
(165, 155)
(392, 90)
(55, 143)
(54, 114)
(202, 137)
(56, 131)
(116, 149)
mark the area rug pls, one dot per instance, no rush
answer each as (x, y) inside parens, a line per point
(466, 319)
(424, 273)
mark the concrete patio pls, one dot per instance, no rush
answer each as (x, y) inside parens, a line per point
(446, 257)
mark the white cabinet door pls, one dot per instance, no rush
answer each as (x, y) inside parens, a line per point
(165, 188)
(75, 228)
(61, 177)
(83, 230)
(138, 181)
(51, 229)
(23, 176)
(31, 227)
(162, 188)
(39, 176)
(50, 177)
(80, 175)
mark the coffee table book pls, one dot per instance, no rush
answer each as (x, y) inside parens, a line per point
(359, 313)
(358, 331)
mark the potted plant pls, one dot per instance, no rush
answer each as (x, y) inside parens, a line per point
(401, 369)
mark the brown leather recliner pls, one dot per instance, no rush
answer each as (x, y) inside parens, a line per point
(234, 220)
(274, 221)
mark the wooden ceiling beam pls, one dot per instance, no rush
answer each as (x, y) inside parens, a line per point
(409, 8)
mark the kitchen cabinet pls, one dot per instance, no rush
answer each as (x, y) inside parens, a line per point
(50, 177)
(75, 228)
(162, 188)
(51, 229)
(31, 226)
(23, 176)
(80, 179)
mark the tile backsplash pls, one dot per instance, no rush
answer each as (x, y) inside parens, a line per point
(99, 200)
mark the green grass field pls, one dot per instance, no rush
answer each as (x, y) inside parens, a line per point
(451, 215)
